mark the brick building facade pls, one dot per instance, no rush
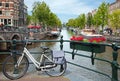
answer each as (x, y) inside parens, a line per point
(114, 6)
(12, 12)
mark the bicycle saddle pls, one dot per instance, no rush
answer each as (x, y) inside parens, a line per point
(44, 47)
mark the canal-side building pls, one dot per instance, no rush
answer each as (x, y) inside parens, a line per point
(22, 13)
(12, 12)
(114, 6)
(25, 15)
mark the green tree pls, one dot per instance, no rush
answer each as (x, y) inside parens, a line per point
(102, 15)
(71, 23)
(59, 23)
(28, 19)
(42, 14)
(82, 21)
(53, 20)
(114, 19)
(96, 20)
(78, 22)
(89, 20)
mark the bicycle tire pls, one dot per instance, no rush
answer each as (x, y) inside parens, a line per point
(11, 71)
(57, 71)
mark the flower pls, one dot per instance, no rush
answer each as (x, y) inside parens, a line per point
(92, 39)
(77, 38)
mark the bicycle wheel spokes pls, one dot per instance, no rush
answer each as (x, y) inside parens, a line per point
(11, 69)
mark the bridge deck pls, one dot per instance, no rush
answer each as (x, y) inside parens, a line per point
(70, 75)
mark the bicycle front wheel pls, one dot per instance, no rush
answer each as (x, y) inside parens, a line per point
(58, 70)
(12, 70)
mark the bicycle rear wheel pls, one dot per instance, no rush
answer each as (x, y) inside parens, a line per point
(58, 70)
(11, 69)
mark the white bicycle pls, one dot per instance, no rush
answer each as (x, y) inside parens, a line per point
(52, 62)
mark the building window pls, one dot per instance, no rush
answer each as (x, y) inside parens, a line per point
(7, 13)
(1, 20)
(0, 12)
(6, 4)
(9, 21)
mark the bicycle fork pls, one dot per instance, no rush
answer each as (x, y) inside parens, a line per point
(17, 63)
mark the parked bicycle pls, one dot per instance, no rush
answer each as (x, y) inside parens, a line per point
(51, 61)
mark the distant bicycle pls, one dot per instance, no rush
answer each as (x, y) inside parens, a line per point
(52, 62)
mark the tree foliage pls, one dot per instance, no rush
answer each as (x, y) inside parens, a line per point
(71, 22)
(53, 20)
(89, 20)
(28, 19)
(96, 20)
(115, 19)
(41, 13)
(78, 22)
(102, 15)
(82, 21)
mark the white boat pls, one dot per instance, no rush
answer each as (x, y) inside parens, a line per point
(55, 33)
(90, 33)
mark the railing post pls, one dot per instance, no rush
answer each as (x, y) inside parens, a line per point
(114, 63)
(14, 44)
(61, 48)
(61, 43)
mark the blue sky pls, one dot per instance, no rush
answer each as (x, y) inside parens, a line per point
(66, 9)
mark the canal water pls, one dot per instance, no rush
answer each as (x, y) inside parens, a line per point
(75, 72)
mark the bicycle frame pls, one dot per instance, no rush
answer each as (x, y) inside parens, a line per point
(35, 62)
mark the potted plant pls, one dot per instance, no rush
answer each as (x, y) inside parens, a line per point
(90, 45)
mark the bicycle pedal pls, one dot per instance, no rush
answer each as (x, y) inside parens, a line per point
(38, 69)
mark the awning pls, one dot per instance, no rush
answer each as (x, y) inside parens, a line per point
(33, 26)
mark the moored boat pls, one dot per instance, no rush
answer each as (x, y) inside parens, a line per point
(89, 33)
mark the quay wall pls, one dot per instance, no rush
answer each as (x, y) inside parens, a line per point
(18, 36)
(39, 36)
(3, 46)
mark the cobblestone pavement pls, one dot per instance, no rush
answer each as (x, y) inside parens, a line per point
(35, 77)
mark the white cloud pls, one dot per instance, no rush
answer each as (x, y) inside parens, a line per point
(68, 6)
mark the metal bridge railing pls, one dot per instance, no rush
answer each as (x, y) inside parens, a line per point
(114, 63)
